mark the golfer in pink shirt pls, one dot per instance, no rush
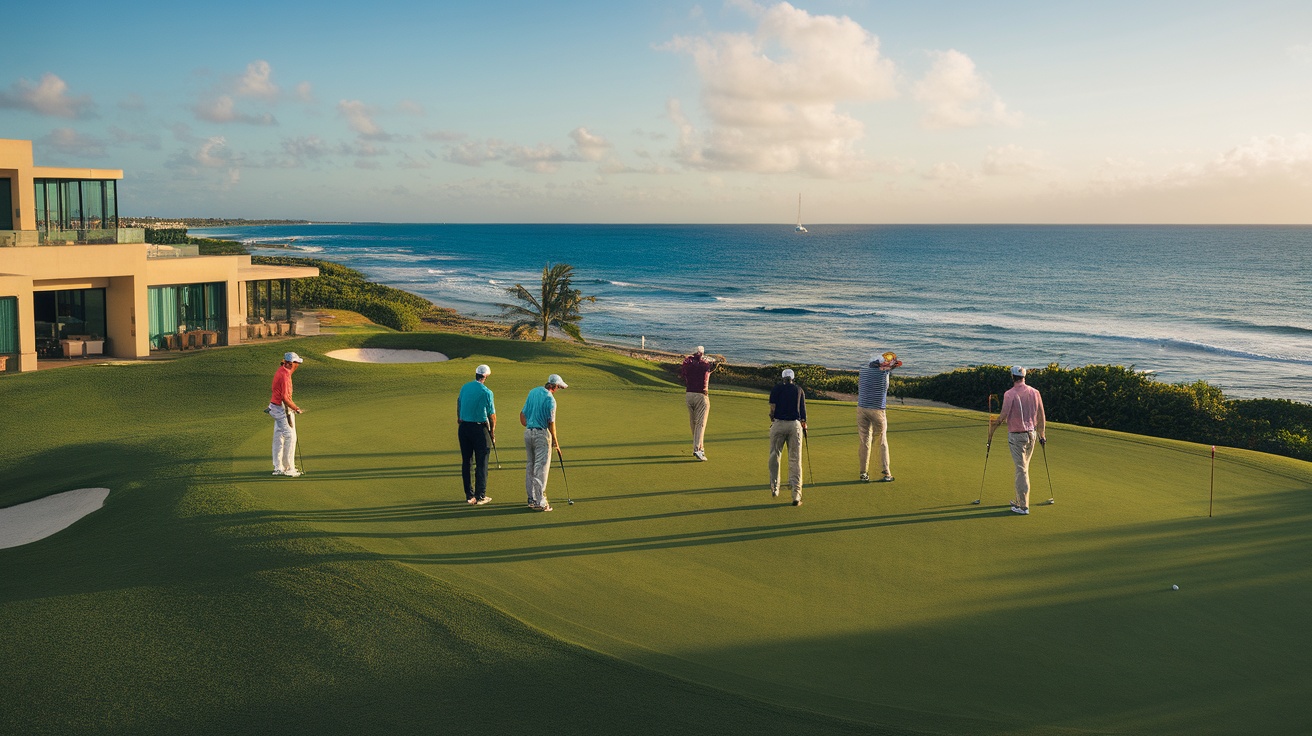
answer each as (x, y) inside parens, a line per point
(1022, 410)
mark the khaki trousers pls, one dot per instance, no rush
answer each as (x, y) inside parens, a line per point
(786, 433)
(871, 423)
(1022, 449)
(699, 410)
(537, 464)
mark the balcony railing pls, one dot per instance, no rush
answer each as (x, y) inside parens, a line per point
(172, 251)
(27, 238)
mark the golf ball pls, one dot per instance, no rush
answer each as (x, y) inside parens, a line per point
(1175, 587)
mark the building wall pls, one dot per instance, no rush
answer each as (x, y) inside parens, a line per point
(125, 273)
(21, 287)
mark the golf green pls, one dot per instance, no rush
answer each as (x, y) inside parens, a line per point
(208, 592)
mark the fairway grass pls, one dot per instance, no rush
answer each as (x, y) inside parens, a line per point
(673, 597)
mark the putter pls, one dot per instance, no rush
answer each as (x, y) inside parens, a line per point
(987, 446)
(494, 449)
(810, 468)
(561, 458)
(1052, 499)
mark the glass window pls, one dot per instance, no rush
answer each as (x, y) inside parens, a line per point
(8, 325)
(111, 204)
(72, 195)
(93, 204)
(40, 205)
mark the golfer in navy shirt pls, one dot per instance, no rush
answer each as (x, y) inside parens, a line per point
(787, 422)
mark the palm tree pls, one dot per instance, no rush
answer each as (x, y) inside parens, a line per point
(558, 304)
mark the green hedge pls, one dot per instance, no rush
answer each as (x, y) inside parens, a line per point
(1123, 399)
(167, 235)
(339, 287)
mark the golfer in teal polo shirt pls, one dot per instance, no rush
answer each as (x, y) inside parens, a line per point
(477, 432)
(539, 420)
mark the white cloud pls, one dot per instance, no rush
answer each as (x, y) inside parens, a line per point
(442, 135)
(1012, 160)
(590, 147)
(305, 92)
(223, 109)
(47, 97)
(956, 96)
(542, 159)
(73, 143)
(257, 82)
(360, 117)
(773, 96)
(214, 153)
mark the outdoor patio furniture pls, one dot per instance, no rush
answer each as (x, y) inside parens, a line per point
(170, 341)
(73, 348)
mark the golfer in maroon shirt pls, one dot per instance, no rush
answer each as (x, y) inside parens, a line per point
(696, 373)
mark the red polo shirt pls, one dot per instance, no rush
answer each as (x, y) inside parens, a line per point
(282, 385)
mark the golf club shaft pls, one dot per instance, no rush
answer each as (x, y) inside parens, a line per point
(988, 445)
(494, 449)
(1052, 498)
(807, 444)
(290, 423)
(563, 475)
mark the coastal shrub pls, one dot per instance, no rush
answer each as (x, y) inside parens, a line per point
(212, 247)
(1121, 398)
(166, 235)
(339, 287)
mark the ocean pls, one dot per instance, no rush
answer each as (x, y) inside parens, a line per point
(1229, 305)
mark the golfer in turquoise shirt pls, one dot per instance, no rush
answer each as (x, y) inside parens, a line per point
(539, 420)
(476, 415)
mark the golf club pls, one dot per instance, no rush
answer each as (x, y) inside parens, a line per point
(292, 423)
(494, 449)
(1051, 498)
(988, 445)
(561, 458)
(810, 468)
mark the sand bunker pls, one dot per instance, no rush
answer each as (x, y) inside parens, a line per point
(384, 355)
(28, 522)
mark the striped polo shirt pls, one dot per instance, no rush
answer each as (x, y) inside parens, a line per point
(872, 387)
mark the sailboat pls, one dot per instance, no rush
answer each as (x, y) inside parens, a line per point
(799, 228)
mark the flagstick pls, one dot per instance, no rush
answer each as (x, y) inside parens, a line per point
(1211, 486)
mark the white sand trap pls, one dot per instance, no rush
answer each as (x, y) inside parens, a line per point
(34, 520)
(384, 355)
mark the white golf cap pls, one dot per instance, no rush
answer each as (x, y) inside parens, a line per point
(699, 350)
(556, 379)
(292, 358)
(788, 373)
(1017, 370)
(483, 370)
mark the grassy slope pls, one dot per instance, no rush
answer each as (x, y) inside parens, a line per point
(181, 608)
(207, 588)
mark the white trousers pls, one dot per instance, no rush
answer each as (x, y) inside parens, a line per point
(537, 464)
(284, 440)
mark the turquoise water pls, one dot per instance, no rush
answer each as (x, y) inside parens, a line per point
(1224, 304)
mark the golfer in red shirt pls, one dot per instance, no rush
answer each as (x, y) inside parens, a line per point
(281, 407)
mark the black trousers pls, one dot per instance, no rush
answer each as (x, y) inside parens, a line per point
(475, 445)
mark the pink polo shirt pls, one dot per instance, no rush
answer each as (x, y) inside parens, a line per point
(1022, 405)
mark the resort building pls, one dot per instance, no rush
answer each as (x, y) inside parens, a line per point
(74, 283)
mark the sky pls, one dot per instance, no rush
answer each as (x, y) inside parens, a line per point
(667, 112)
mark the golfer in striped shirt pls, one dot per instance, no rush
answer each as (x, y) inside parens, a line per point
(871, 400)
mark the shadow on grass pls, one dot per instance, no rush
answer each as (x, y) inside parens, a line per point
(728, 535)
